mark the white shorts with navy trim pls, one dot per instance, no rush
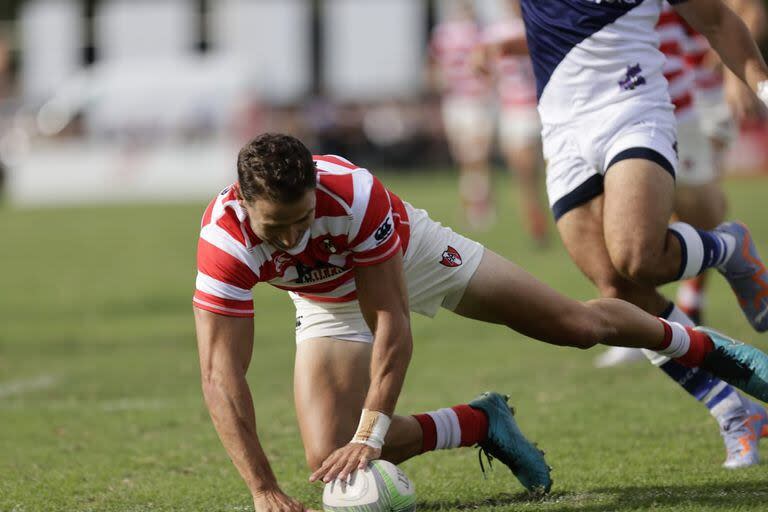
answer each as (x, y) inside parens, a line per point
(580, 152)
(468, 124)
(519, 127)
(696, 162)
(438, 264)
(716, 119)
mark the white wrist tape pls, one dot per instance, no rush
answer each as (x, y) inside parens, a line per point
(372, 428)
(762, 92)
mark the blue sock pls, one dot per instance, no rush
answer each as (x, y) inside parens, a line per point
(701, 249)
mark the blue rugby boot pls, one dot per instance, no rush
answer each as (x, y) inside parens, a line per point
(747, 276)
(740, 365)
(506, 443)
(742, 433)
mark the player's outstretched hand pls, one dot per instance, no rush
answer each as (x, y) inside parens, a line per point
(277, 501)
(344, 461)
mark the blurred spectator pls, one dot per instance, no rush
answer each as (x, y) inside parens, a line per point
(5, 69)
(5, 93)
(467, 116)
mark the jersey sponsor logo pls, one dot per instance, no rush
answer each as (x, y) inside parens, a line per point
(451, 257)
(633, 78)
(322, 272)
(383, 230)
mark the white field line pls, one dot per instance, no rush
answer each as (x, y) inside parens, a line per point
(22, 386)
(133, 404)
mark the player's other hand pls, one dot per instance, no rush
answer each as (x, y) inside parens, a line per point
(276, 500)
(344, 461)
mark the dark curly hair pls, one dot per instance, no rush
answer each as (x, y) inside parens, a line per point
(276, 167)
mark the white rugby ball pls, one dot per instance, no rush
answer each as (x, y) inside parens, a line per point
(380, 487)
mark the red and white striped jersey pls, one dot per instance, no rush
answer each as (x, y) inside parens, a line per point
(357, 222)
(452, 45)
(515, 82)
(673, 35)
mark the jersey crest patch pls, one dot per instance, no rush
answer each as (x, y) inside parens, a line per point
(451, 257)
(282, 262)
(328, 246)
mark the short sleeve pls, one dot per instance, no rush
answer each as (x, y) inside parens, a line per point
(377, 240)
(224, 279)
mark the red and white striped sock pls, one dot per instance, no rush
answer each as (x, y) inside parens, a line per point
(684, 344)
(452, 427)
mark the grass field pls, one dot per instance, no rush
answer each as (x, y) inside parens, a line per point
(101, 409)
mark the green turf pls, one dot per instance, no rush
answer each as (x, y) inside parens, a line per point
(101, 410)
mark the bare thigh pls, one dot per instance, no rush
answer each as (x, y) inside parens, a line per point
(501, 292)
(581, 230)
(331, 379)
(638, 200)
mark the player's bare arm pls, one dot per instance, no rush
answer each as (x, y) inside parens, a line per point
(752, 12)
(225, 345)
(729, 37)
(740, 98)
(383, 299)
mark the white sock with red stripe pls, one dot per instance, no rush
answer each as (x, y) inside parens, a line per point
(452, 427)
(684, 344)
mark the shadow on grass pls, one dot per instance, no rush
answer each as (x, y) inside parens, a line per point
(745, 496)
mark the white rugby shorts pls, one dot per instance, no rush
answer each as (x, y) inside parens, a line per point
(580, 152)
(716, 120)
(696, 161)
(519, 127)
(468, 124)
(438, 264)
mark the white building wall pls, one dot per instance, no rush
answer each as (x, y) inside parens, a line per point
(271, 41)
(51, 42)
(373, 49)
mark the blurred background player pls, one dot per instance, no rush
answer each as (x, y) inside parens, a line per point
(717, 120)
(519, 125)
(466, 109)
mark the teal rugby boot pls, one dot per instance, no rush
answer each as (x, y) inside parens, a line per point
(507, 443)
(738, 364)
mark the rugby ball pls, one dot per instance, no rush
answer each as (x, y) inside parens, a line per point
(380, 487)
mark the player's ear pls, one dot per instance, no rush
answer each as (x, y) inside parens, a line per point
(239, 196)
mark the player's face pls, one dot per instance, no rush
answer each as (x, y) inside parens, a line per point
(282, 225)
